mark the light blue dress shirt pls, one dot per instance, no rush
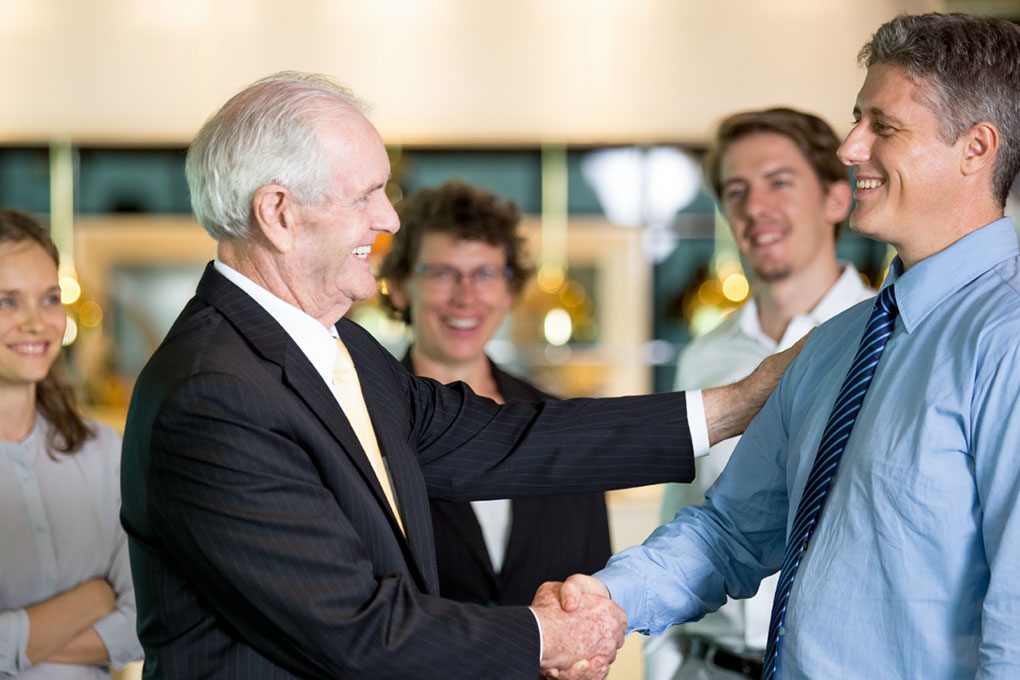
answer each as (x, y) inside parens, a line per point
(914, 570)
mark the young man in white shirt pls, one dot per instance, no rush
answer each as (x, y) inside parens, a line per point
(785, 195)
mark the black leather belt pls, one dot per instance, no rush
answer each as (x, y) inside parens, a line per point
(748, 666)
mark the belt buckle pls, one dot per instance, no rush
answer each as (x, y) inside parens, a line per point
(723, 658)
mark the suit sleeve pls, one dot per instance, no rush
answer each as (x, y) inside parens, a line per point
(471, 448)
(243, 510)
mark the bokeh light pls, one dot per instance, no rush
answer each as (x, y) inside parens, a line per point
(557, 327)
(70, 291)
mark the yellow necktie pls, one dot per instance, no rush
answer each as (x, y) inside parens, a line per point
(348, 388)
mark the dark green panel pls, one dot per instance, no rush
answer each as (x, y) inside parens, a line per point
(25, 179)
(513, 174)
(132, 181)
(581, 196)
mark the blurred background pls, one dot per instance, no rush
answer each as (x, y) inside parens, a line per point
(592, 115)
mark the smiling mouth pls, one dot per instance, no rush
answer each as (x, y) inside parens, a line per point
(362, 251)
(30, 349)
(462, 324)
(760, 240)
(869, 183)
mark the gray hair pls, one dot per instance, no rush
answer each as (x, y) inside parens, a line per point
(265, 134)
(971, 66)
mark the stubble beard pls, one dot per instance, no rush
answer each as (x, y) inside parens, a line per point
(772, 273)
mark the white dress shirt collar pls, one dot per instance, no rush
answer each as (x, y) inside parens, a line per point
(317, 342)
(847, 286)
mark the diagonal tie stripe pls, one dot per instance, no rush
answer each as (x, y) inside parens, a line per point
(830, 450)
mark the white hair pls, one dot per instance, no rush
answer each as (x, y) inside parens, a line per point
(265, 134)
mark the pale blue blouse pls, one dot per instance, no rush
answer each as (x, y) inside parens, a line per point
(60, 527)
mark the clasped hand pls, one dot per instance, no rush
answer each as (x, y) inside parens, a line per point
(581, 628)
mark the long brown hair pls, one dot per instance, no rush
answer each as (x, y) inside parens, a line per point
(54, 396)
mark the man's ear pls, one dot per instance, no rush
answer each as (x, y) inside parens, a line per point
(275, 215)
(981, 143)
(837, 201)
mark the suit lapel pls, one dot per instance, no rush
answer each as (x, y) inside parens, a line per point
(271, 341)
(460, 516)
(518, 546)
(301, 377)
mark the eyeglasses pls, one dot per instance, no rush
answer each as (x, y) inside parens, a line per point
(445, 277)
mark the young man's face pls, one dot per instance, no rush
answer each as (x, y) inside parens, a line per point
(782, 217)
(904, 171)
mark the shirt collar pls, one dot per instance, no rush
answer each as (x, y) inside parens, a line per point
(921, 288)
(315, 341)
(849, 286)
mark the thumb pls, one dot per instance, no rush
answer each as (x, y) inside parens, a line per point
(570, 594)
(576, 586)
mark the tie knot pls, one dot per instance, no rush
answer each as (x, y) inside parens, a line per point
(887, 301)
(343, 361)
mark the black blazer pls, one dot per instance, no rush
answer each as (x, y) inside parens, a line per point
(261, 543)
(551, 537)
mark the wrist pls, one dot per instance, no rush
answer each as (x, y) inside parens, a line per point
(726, 412)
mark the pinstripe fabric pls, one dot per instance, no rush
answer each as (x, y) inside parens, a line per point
(823, 470)
(261, 541)
(551, 536)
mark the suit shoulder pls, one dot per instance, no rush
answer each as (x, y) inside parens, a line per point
(363, 345)
(200, 341)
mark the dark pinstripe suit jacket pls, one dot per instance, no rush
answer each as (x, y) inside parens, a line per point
(261, 543)
(551, 537)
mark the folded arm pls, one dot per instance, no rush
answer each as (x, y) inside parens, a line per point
(60, 628)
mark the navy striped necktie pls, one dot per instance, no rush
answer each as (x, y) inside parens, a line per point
(823, 470)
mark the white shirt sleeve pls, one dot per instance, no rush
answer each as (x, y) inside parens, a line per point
(13, 642)
(697, 422)
(541, 645)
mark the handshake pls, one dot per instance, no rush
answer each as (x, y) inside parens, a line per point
(581, 628)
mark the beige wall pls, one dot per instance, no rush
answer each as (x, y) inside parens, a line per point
(437, 71)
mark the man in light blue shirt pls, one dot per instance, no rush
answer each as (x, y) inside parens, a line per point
(912, 571)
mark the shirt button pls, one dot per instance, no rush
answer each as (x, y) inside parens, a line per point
(782, 631)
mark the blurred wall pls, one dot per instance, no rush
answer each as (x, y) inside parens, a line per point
(436, 71)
